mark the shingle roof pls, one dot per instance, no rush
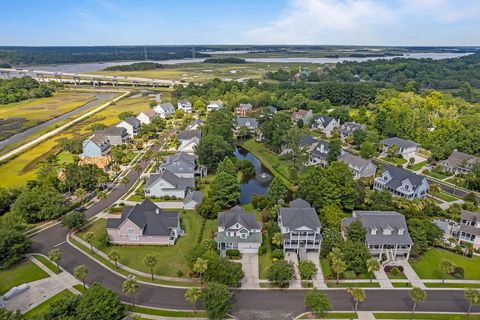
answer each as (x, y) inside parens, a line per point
(457, 158)
(184, 102)
(178, 182)
(238, 215)
(180, 162)
(166, 107)
(113, 131)
(148, 217)
(471, 216)
(398, 175)
(399, 142)
(355, 162)
(100, 140)
(188, 134)
(134, 122)
(150, 113)
(299, 215)
(348, 127)
(324, 120)
(381, 220)
(316, 150)
(196, 196)
(308, 140)
(299, 114)
(247, 122)
(247, 106)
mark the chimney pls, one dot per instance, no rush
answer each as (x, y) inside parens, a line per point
(157, 211)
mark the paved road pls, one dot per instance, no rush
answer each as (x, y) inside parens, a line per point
(248, 304)
(99, 98)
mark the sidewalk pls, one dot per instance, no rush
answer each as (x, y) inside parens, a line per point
(382, 279)
(292, 257)
(362, 315)
(411, 274)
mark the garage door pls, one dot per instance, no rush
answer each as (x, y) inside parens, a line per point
(249, 250)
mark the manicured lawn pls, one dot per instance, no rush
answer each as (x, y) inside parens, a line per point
(452, 285)
(425, 316)
(44, 306)
(353, 284)
(166, 313)
(210, 228)
(418, 166)
(428, 267)
(444, 196)
(457, 181)
(438, 175)
(394, 277)
(24, 271)
(331, 315)
(79, 287)
(402, 284)
(395, 161)
(170, 258)
(49, 264)
(270, 160)
(65, 157)
(264, 263)
(327, 272)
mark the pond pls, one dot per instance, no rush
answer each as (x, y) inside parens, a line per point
(257, 185)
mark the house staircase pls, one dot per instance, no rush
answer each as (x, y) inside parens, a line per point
(390, 257)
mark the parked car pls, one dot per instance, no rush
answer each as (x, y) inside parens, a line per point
(15, 291)
(80, 209)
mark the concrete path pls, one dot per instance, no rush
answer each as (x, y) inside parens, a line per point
(362, 315)
(319, 279)
(383, 278)
(411, 274)
(292, 258)
(249, 263)
(162, 205)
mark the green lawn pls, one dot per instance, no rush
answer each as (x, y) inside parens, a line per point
(327, 272)
(457, 181)
(444, 196)
(332, 284)
(428, 267)
(65, 157)
(171, 258)
(210, 228)
(24, 271)
(452, 285)
(402, 284)
(331, 315)
(395, 161)
(425, 316)
(438, 175)
(79, 287)
(47, 263)
(417, 166)
(44, 306)
(166, 313)
(394, 277)
(270, 160)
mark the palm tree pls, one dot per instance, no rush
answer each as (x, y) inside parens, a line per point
(80, 193)
(372, 266)
(192, 296)
(447, 267)
(138, 168)
(417, 295)
(114, 256)
(150, 261)
(89, 238)
(102, 180)
(200, 267)
(473, 297)
(338, 265)
(435, 188)
(130, 286)
(81, 273)
(55, 255)
(358, 295)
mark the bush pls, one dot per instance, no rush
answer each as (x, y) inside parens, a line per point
(458, 272)
(233, 253)
(179, 273)
(307, 270)
(349, 275)
(277, 254)
(389, 268)
(261, 202)
(103, 238)
(262, 249)
(395, 271)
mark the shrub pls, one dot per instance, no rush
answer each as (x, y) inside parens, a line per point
(262, 249)
(457, 275)
(277, 254)
(395, 271)
(350, 275)
(457, 270)
(307, 270)
(103, 238)
(261, 202)
(389, 268)
(233, 253)
(179, 273)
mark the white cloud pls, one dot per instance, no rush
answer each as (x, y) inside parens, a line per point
(369, 22)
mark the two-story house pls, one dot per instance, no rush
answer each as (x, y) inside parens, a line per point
(306, 143)
(406, 148)
(147, 116)
(168, 184)
(361, 168)
(195, 124)
(184, 105)
(144, 223)
(239, 230)
(188, 134)
(348, 128)
(164, 110)
(318, 155)
(470, 228)
(115, 135)
(304, 115)
(300, 227)
(386, 234)
(243, 110)
(95, 146)
(459, 162)
(402, 183)
(250, 123)
(181, 164)
(132, 125)
(215, 105)
(325, 124)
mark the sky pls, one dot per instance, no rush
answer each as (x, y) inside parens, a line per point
(185, 22)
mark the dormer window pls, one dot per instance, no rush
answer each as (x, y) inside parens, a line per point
(374, 231)
(400, 231)
(387, 231)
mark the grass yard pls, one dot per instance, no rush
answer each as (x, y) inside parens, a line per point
(417, 166)
(452, 285)
(44, 306)
(166, 313)
(270, 160)
(170, 258)
(264, 263)
(444, 196)
(425, 316)
(24, 271)
(457, 181)
(65, 157)
(331, 315)
(428, 267)
(396, 277)
(402, 284)
(395, 161)
(210, 228)
(47, 263)
(438, 175)
(353, 285)
(327, 271)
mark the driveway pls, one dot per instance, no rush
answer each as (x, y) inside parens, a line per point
(318, 280)
(292, 258)
(249, 263)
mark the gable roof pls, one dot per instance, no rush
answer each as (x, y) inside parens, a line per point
(184, 102)
(381, 220)
(113, 131)
(324, 120)
(238, 215)
(246, 106)
(399, 142)
(165, 107)
(349, 127)
(148, 217)
(176, 181)
(150, 113)
(457, 158)
(470, 216)
(301, 214)
(300, 113)
(180, 162)
(316, 150)
(399, 174)
(196, 196)
(355, 162)
(247, 122)
(194, 123)
(188, 134)
(99, 140)
(218, 103)
(308, 140)
(134, 122)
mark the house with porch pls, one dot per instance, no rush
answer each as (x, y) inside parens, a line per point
(164, 110)
(239, 230)
(325, 124)
(361, 168)
(184, 105)
(306, 143)
(215, 105)
(459, 162)
(166, 183)
(470, 228)
(250, 123)
(386, 236)
(401, 183)
(183, 164)
(318, 154)
(95, 146)
(115, 135)
(406, 148)
(144, 224)
(300, 228)
(132, 125)
(147, 116)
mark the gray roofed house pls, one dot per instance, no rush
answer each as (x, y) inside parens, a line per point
(239, 230)
(193, 199)
(181, 164)
(347, 129)
(250, 123)
(360, 167)
(300, 227)
(164, 109)
(459, 162)
(194, 124)
(132, 125)
(470, 228)
(401, 182)
(215, 105)
(184, 105)
(407, 148)
(188, 134)
(307, 142)
(325, 124)
(168, 184)
(386, 233)
(95, 146)
(115, 135)
(318, 154)
(144, 223)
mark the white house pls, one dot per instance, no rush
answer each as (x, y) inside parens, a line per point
(184, 105)
(188, 146)
(402, 183)
(215, 105)
(147, 116)
(325, 124)
(193, 200)
(406, 148)
(470, 228)
(132, 125)
(164, 110)
(167, 183)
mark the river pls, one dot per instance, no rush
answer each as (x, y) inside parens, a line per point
(99, 98)
(256, 185)
(97, 66)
